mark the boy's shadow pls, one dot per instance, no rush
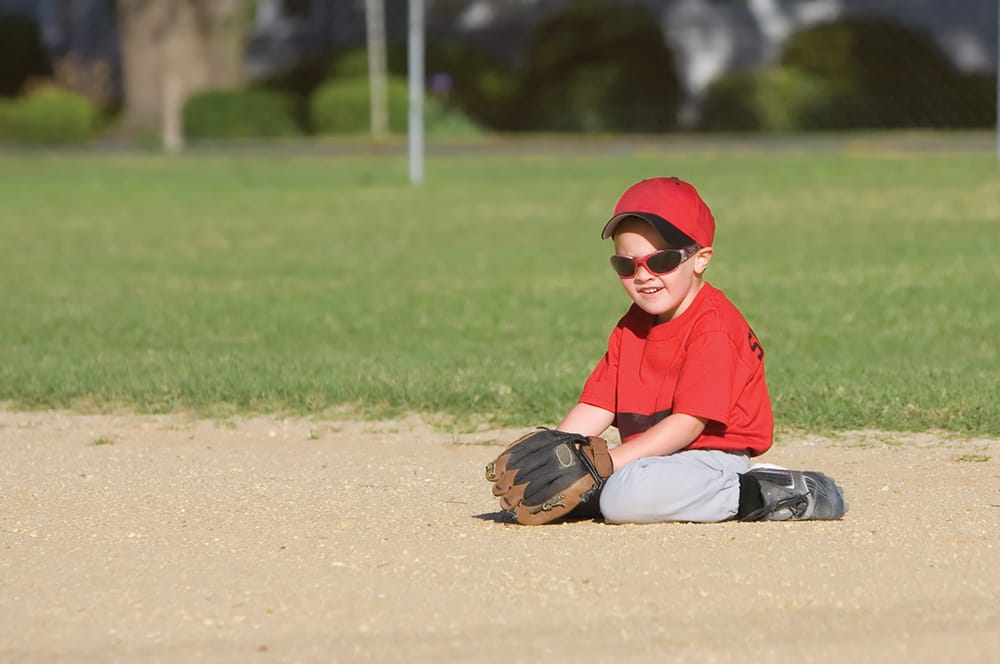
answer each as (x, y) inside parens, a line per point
(496, 517)
(582, 512)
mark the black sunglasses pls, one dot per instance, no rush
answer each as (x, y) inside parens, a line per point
(659, 262)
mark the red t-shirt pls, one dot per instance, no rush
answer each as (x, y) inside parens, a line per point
(707, 362)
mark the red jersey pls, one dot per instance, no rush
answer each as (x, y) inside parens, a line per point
(707, 363)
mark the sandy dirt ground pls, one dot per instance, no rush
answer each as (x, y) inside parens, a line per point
(168, 538)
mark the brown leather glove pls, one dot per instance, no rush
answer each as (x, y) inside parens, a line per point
(544, 475)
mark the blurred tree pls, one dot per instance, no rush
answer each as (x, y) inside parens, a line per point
(171, 48)
(883, 74)
(22, 55)
(598, 66)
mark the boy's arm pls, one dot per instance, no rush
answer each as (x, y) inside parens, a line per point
(586, 420)
(673, 433)
(670, 435)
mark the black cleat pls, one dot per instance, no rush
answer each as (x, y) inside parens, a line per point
(796, 495)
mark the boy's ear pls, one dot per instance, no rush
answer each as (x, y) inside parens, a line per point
(702, 259)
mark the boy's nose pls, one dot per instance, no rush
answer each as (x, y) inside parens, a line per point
(642, 274)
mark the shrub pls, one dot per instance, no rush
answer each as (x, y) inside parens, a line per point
(48, 115)
(883, 74)
(974, 103)
(242, 113)
(22, 56)
(342, 106)
(730, 104)
(302, 79)
(444, 121)
(595, 66)
(6, 119)
(790, 99)
(776, 99)
(305, 76)
(481, 88)
(353, 63)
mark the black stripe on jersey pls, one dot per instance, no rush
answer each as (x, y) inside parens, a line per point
(629, 424)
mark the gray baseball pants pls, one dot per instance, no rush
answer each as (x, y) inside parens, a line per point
(692, 485)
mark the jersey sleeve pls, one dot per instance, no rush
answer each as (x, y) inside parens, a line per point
(601, 387)
(712, 378)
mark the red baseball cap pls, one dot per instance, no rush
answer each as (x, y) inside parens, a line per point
(667, 204)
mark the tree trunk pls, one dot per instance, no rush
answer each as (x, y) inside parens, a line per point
(171, 48)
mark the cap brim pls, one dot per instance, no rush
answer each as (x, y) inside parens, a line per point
(664, 227)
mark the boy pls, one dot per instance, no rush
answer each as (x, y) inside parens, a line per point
(683, 381)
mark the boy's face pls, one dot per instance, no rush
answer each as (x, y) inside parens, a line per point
(666, 296)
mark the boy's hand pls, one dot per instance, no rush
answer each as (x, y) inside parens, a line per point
(544, 475)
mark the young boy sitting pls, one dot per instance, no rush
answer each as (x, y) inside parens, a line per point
(683, 381)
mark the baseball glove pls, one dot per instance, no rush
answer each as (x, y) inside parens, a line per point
(544, 475)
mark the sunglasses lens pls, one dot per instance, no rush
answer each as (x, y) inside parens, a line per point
(623, 265)
(664, 262)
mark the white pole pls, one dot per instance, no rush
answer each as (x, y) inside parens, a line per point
(415, 72)
(173, 119)
(173, 96)
(375, 26)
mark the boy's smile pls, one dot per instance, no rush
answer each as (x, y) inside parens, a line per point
(666, 296)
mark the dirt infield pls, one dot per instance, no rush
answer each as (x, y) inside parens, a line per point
(169, 538)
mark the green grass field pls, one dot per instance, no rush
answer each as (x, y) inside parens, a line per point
(308, 284)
